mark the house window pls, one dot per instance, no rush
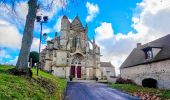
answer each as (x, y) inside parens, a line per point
(149, 54)
(108, 72)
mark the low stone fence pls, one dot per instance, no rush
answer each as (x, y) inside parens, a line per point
(111, 79)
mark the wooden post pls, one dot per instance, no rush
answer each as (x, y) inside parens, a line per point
(31, 63)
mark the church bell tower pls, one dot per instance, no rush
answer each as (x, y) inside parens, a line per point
(65, 27)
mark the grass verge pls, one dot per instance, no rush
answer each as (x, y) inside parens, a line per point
(42, 87)
(164, 94)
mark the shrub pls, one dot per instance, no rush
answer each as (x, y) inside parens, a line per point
(130, 81)
(120, 80)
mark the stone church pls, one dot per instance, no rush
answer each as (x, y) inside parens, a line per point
(70, 54)
(149, 63)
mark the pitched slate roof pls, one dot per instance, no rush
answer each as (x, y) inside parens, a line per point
(137, 56)
(106, 64)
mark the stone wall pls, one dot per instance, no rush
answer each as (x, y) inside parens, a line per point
(111, 80)
(48, 65)
(98, 73)
(159, 71)
(110, 69)
(89, 73)
(61, 58)
(61, 72)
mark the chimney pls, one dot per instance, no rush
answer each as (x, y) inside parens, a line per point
(139, 44)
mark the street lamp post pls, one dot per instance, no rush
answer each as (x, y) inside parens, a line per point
(41, 21)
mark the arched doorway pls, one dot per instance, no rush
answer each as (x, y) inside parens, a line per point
(76, 66)
(149, 82)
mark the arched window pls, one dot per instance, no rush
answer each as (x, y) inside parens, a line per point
(74, 41)
(76, 60)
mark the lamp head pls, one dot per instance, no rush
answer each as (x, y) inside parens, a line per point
(45, 35)
(45, 18)
(38, 18)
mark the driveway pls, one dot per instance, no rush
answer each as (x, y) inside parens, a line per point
(94, 91)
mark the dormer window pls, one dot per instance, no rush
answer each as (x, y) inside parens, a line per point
(151, 52)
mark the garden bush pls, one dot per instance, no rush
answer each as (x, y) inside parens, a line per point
(120, 80)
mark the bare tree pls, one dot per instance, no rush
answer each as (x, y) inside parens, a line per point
(22, 63)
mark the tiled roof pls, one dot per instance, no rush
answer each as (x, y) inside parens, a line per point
(137, 56)
(106, 64)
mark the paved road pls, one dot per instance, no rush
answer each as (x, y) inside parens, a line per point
(94, 91)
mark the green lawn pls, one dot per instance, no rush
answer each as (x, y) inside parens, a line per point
(165, 94)
(42, 87)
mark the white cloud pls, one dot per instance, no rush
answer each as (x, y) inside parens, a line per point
(13, 61)
(46, 30)
(11, 22)
(50, 8)
(114, 48)
(35, 44)
(151, 23)
(21, 12)
(49, 38)
(93, 10)
(9, 35)
(16, 17)
(105, 31)
(57, 26)
(154, 17)
(4, 54)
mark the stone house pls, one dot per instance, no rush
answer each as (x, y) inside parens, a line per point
(108, 70)
(70, 54)
(149, 62)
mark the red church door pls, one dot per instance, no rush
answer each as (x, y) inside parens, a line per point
(78, 71)
(72, 72)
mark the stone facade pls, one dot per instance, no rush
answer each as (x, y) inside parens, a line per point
(70, 54)
(149, 64)
(108, 70)
(159, 71)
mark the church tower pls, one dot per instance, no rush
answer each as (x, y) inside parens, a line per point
(65, 27)
(69, 53)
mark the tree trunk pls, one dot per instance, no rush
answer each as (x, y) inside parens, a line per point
(22, 63)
